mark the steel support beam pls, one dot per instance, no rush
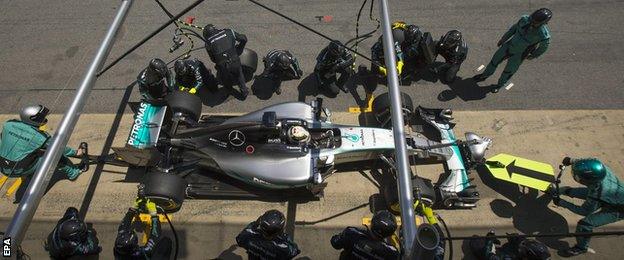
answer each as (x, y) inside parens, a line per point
(404, 177)
(36, 189)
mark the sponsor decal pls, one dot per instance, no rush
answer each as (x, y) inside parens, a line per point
(352, 137)
(218, 142)
(274, 140)
(236, 138)
(261, 181)
(139, 121)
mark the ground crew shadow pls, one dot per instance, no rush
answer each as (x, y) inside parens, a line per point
(528, 210)
(229, 254)
(465, 89)
(56, 177)
(263, 87)
(213, 98)
(309, 86)
(86, 202)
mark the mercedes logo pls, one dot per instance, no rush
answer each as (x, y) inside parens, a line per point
(237, 138)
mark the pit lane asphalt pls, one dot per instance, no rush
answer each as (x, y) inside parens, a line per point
(207, 228)
(46, 46)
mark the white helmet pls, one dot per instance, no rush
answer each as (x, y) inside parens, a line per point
(35, 115)
(298, 134)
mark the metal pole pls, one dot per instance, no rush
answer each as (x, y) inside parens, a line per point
(404, 178)
(24, 214)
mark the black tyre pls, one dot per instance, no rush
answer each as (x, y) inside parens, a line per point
(377, 203)
(249, 63)
(188, 104)
(381, 108)
(391, 199)
(168, 191)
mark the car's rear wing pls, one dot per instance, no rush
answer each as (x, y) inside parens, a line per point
(145, 130)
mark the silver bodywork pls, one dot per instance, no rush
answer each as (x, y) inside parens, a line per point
(276, 165)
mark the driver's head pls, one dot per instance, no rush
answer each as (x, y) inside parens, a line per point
(35, 115)
(73, 230)
(298, 134)
(126, 243)
(383, 224)
(271, 223)
(180, 68)
(209, 31)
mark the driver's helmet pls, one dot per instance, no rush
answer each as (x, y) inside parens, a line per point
(446, 114)
(533, 250)
(383, 224)
(589, 171)
(35, 115)
(271, 223)
(298, 134)
(73, 230)
(126, 243)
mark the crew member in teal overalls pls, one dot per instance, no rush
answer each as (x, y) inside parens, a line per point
(23, 143)
(604, 198)
(529, 38)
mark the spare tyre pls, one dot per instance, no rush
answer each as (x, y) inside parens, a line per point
(183, 102)
(381, 109)
(167, 190)
(249, 63)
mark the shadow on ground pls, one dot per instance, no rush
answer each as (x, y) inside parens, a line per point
(528, 210)
(310, 86)
(264, 87)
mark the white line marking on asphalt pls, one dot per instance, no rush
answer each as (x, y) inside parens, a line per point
(480, 67)
(509, 86)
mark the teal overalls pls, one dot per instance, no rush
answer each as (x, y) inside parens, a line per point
(21, 150)
(520, 41)
(604, 204)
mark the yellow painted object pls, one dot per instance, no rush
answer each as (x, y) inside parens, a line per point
(16, 184)
(146, 219)
(525, 172)
(399, 25)
(367, 109)
(3, 179)
(394, 239)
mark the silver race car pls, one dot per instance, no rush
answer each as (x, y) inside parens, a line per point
(283, 149)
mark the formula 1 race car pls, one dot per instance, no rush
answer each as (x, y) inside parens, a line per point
(279, 149)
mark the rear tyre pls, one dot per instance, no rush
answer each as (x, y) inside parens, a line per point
(381, 109)
(188, 104)
(168, 191)
(249, 63)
